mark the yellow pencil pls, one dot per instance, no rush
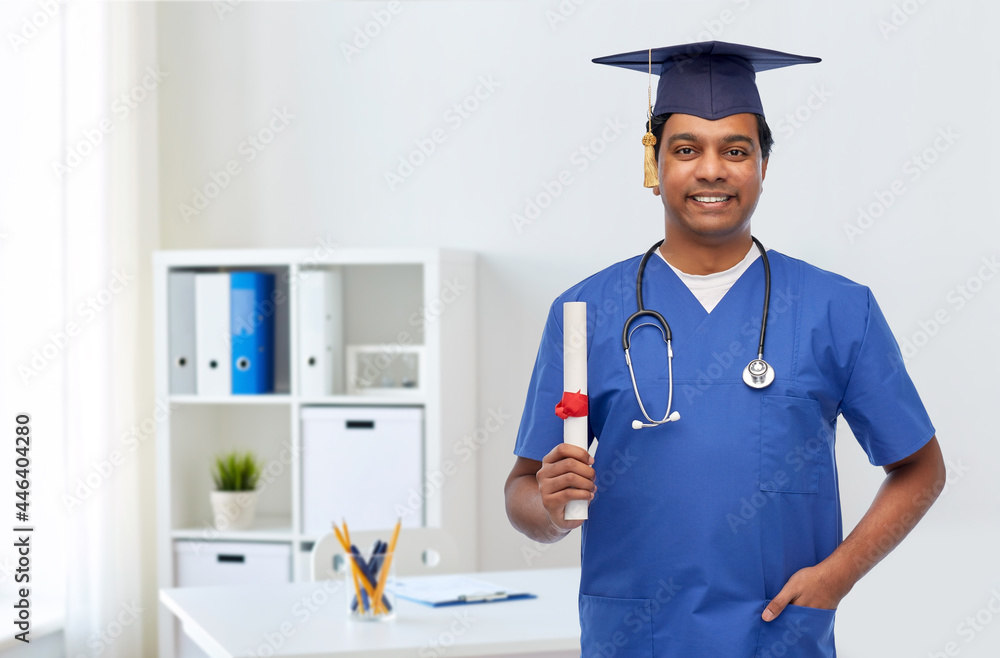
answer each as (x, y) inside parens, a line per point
(388, 562)
(354, 573)
(376, 604)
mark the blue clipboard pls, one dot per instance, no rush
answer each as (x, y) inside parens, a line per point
(440, 591)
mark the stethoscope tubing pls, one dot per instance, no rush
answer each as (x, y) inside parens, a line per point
(664, 327)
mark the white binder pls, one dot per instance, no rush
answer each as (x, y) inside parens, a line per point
(180, 320)
(364, 465)
(321, 342)
(213, 336)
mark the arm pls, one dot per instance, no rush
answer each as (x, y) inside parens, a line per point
(910, 487)
(536, 492)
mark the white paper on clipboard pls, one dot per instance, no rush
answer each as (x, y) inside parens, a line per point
(451, 590)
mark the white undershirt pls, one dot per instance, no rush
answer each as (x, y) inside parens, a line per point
(709, 289)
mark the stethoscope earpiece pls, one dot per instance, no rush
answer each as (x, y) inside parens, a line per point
(757, 374)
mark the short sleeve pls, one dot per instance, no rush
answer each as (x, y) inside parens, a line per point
(880, 402)
(540, 429)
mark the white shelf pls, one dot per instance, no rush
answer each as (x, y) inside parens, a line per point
(367, 400)
(265, 528)
(284, 398)
(410, 297)
(269, 398)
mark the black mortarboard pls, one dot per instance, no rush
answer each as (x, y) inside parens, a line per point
(711, 80)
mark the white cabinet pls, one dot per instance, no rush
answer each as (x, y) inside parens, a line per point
(203, 564)
(405, 300)
(363, 464)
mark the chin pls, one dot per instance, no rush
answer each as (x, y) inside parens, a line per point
(715, 229)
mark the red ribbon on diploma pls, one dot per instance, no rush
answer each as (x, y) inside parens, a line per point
(572, 404)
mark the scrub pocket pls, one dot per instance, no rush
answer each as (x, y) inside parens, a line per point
(798, 631)
(794, 440)
(610, 626)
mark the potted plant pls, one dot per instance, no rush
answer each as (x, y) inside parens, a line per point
(234, 501)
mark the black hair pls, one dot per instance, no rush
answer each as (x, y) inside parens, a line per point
(763, 134)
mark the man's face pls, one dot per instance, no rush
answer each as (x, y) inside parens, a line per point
(710, 173)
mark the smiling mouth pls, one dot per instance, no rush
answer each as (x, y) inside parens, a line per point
(719, 198)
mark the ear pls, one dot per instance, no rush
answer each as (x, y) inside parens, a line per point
(656, 190)
(763, 169)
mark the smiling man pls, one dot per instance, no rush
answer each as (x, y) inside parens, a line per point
(715, 530)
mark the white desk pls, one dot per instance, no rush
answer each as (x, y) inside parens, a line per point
(309, 619)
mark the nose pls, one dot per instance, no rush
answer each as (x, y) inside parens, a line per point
(711, 167)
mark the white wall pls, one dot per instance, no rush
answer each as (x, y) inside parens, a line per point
(884, 98)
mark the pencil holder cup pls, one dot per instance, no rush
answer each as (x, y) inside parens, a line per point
(365, 576)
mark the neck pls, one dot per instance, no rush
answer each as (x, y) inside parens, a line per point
(697, 255)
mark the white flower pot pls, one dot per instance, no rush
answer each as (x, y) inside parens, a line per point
(233, 510)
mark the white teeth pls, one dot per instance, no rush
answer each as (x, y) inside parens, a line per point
(711, 199)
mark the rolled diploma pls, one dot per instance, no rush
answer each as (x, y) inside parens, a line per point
(575, 379)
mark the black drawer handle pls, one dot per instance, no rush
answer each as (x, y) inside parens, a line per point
(231, 558)
(361, 424)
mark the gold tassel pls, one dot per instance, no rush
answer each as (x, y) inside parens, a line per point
(652, 175)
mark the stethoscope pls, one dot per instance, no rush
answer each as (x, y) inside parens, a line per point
(757, 374)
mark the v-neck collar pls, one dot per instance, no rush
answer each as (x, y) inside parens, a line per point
(680, 294)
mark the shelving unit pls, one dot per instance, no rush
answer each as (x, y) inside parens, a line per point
(390, 297)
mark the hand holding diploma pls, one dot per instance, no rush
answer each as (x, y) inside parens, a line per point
(573, 407)
(565, 478)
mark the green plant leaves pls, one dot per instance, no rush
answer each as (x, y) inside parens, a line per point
(236, 471)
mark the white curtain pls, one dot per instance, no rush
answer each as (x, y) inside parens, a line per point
(31, 310)
(110, 229)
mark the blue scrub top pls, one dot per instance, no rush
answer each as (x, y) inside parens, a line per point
(698, 523)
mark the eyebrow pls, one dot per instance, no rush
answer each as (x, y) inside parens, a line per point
(728, 139)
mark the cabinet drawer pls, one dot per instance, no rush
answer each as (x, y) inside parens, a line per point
(362, 464)
(201, 563)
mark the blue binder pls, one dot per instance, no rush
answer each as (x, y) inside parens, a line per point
(252, 330)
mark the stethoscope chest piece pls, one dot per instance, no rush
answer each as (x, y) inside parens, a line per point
(758, 374)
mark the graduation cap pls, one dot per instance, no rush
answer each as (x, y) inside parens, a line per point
(711, 80)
